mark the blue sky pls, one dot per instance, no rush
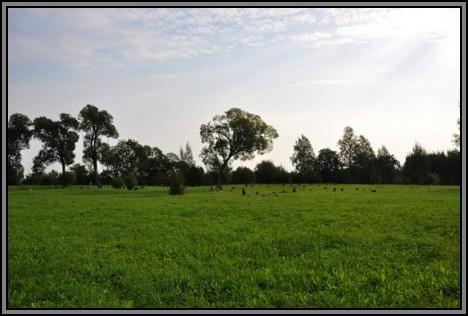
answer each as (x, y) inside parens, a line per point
(393, 75)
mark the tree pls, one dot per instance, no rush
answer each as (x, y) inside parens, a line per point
(187, 155)
(82, 174)
(126, 157)
(417, 165)
(363, 168)
(347, 146)
(235, 135)
(19, 135)
(328, 165)
(265, 171)
(387, 166)
(58, 141)
(303, 159)
(357, 158)
(195, 176)
(243, 175)
(95, 124)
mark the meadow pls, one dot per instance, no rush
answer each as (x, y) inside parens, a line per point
(398, 247)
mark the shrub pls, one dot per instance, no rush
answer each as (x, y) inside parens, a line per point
(131, 181)
(243, 191)
(70, 178)
(176, 183)
(432, 178)
(117, 182)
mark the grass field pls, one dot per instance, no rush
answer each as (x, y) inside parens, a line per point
(398, 247)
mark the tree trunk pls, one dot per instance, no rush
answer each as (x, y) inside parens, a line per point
(98, 183)
(63, 175)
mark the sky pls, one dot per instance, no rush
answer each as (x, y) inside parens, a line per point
(392, 74)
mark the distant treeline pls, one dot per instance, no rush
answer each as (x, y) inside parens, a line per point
(355, 162)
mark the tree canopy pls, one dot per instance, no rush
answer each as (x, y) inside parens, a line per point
(58, 141)
(95, 124)
(237, 134)
(19, 135)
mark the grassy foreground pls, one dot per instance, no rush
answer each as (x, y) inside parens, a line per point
(398, 247)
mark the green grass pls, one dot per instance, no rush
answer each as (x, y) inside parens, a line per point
(398, 247)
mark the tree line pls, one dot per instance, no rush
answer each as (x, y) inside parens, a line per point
(234, 135)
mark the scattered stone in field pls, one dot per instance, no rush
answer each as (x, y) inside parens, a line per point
(374, 191)
(342, 189)
(256, 193)
(334, 189)
(294, 189)
(243, 191)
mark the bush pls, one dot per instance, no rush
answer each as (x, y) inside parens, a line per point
(131, 181)
(70, 178)
(117, 182)
(176, 183)
(432, 178)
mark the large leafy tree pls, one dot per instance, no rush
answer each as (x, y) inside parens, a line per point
(417, 165)
(357, 157)
(328, 165)
(95, 124)
(128, 156)
(303, 158)
(387, 166)
(58, 141)
(19, 135)
(347, 145)
(237, 134)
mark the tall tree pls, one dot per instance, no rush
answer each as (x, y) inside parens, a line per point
(417, 165)
(363, 167)
(58, 141)
(95, 124)
(328, 165)
(303, 159)
(128, 156)
(347, 145)
(387, 165)
(19, 135)
(237, 134)
(187, 155)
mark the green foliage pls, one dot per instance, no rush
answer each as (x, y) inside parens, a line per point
(237, 134)
(303, 158)
(58, 141)
(267, 172)
(131, 181)
(19, 135)
(432, 179)
(176, 183)
(117, 182)
(95, 124)
(243, 175)
(70, 178)
(396, 248)
(327, 164)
